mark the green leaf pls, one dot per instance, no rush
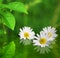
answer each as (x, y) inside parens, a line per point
(9, 50)
(17, 6)
(8, 19)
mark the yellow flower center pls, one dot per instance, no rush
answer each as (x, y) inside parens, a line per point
(26, 34)
(49, 34)
(42, 41)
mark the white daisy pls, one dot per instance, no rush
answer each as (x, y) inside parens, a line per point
(50, 32)
(41, 40)
(26, 33)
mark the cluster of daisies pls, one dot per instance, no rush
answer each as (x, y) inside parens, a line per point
(42, 41)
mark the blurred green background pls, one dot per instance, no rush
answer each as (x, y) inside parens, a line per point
(41, 13)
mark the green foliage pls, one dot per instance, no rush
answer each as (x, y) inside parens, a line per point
(17, 6)
(13, 14)
(8, 19)
(9, 50)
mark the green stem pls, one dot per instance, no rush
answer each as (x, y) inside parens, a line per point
(56, 15)
(25, 54)
(33, 3)
(4, 32)
(3, 26)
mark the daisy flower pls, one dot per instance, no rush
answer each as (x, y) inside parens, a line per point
(41, 40)
(50, 32)
(26, 34)
(41, 43)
